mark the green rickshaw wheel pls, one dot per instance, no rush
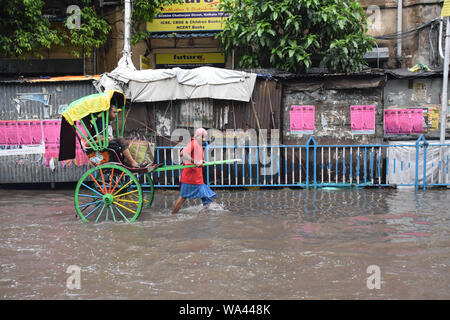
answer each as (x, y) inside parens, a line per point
(148, 190)
(147, 187)
(108, 191)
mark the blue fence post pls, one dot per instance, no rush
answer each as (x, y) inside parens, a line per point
(425, 147)
(387, 164)
(307, 165)
(416, 180)
(250, 164)
(371, 166)
(425, 144)
(365, 165)
(157, 160)
(343, 165)
(315, 164)
(257, 165)
(311, 139)
(243, 164)
(165, 163)
(351, 166)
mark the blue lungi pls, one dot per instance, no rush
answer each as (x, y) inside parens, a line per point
(194, 191)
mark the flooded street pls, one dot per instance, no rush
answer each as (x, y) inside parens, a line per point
(250, 244)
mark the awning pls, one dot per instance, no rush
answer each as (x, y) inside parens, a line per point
(406, 74)
(179, 84)
(66, 78)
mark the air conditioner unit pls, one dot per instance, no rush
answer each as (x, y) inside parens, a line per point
(381, 54)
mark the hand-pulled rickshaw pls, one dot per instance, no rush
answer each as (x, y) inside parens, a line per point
(111, 190)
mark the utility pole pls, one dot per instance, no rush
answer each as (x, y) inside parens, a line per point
(127, 29)
(125, 63)
(445, 83)
(444, 104)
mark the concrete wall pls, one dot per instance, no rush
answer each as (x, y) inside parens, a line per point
(419, 47)
(405, 93)
(422, 93)
(332, 112)
(332, 108)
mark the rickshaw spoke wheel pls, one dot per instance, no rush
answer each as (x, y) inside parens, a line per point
(148, 188)
(108, 192)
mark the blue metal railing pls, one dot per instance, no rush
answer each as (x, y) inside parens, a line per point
(419, 164)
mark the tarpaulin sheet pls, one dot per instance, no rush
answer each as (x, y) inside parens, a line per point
(402, 163)
(180, 84)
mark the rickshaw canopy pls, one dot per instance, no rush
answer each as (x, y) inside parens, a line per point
(93, 103)
(78, 110)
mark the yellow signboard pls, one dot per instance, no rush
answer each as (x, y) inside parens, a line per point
(432, 121)
(193, 15)
(145, 63)
(192, 59)
(446, 9)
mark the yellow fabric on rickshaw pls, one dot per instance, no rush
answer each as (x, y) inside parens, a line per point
(93, 103)
(142, 151)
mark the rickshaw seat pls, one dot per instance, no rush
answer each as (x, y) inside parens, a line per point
(110, 156)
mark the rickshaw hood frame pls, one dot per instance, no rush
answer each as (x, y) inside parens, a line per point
(93, 103)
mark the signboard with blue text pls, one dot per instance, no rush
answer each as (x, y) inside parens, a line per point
(192, 16)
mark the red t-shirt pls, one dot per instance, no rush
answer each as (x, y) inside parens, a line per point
(193, 175)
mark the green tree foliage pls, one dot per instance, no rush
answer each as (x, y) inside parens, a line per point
(92, 31)
(291, 35)
(23, 29)
(95, 28)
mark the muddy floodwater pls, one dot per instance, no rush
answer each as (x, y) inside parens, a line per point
(250, 244)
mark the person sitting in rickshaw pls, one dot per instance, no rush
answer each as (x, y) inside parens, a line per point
(118, 144)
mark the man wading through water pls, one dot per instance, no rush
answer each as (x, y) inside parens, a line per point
(192, 186)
